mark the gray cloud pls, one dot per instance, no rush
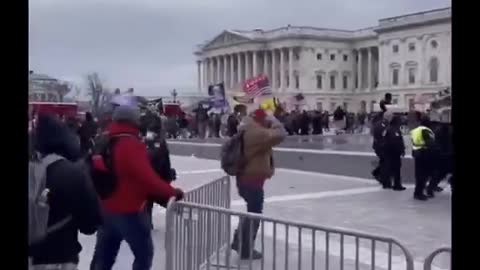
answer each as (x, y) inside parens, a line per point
(148, 44)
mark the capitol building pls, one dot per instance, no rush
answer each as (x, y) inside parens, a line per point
(408, 56)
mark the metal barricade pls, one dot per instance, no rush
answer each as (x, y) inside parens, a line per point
(180, 228)
(284, 244)
(427, 265)
(215, 193)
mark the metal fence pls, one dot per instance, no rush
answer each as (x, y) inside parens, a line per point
(427, 265)
(197, 237)
(215, 193)
(186, 236)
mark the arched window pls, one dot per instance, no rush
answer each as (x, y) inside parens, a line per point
(434, 44)
(433, 66)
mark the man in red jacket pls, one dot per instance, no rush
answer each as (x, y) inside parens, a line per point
(124, 215)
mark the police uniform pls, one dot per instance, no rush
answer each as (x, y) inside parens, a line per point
(422, 138)
(394, 149)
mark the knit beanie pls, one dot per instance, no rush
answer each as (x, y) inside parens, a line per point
(125, 113)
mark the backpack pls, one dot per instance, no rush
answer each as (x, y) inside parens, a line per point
(100, 164)
(232, 155)
(38, 204)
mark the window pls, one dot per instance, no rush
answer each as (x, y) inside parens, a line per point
(332, 81)
(319, 106)
(297, 82)
(395, 76)
(345, 57)
(434, 44)
(297, 56)
(319, 56)
(395, 48)
(433, 69)
(411, 104)
(411, 47)
(319, 81)
(411, 75)
(395, 100)
(345, 106)
(332, 57)
(287, 80)
(345, 81)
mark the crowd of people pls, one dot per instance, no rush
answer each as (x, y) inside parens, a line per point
(118, 167)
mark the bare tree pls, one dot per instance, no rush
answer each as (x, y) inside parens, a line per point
(99, 95)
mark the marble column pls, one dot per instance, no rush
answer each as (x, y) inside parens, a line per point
(359, 70)
(232, 71)
(381, 81)
(274, 70)
(369, 69)
(211, 73)
(265, 64)
(225, 73)
(205, 78)
(255, 62)
(291, 80)
(199, 71)
(282, 69)
(247, 65)
(239, 67)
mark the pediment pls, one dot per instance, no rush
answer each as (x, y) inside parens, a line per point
(225, 38)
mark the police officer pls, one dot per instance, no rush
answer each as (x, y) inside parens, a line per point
(423, 140)
(394, 150)
(379, 124)
(443, 156)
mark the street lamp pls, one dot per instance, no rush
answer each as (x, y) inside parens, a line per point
(174, 95)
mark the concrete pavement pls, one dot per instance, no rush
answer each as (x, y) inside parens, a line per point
(328, 200)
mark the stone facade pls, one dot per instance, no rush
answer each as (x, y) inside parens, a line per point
(409, 56)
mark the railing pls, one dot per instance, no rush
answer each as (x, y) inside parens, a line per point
(215, 194)
(198, 232)
(427, 265)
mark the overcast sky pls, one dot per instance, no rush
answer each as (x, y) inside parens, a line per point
(149, 44)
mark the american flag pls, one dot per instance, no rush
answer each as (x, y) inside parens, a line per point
(257, 86)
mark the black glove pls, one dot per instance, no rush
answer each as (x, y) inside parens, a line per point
(179, 194)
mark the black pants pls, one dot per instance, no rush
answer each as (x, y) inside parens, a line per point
(442, 167)
(248, 228)
(381, 161)
(423, 170)
(391, 169)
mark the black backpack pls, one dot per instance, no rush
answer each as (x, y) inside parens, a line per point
(104, 181)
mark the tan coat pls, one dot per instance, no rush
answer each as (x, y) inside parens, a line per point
(258, 144)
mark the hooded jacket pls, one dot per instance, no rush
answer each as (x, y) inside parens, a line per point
(71, 193)
(137, 180)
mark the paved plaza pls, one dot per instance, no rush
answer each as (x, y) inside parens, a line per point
(327, 200)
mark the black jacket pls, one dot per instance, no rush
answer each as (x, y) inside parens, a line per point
(71, 193)
(393, 141)
(378, 137)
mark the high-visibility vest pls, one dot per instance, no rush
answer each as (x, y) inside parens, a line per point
(417, 137)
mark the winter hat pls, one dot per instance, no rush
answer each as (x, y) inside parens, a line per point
(259, 114)
(125, 113)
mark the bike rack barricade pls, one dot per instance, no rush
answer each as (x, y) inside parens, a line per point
(427, 265)
(198, 237)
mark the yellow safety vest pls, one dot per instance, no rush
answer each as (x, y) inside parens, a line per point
(417, 137)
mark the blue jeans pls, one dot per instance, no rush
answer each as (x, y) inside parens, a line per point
(254, 199)
(135, 230)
